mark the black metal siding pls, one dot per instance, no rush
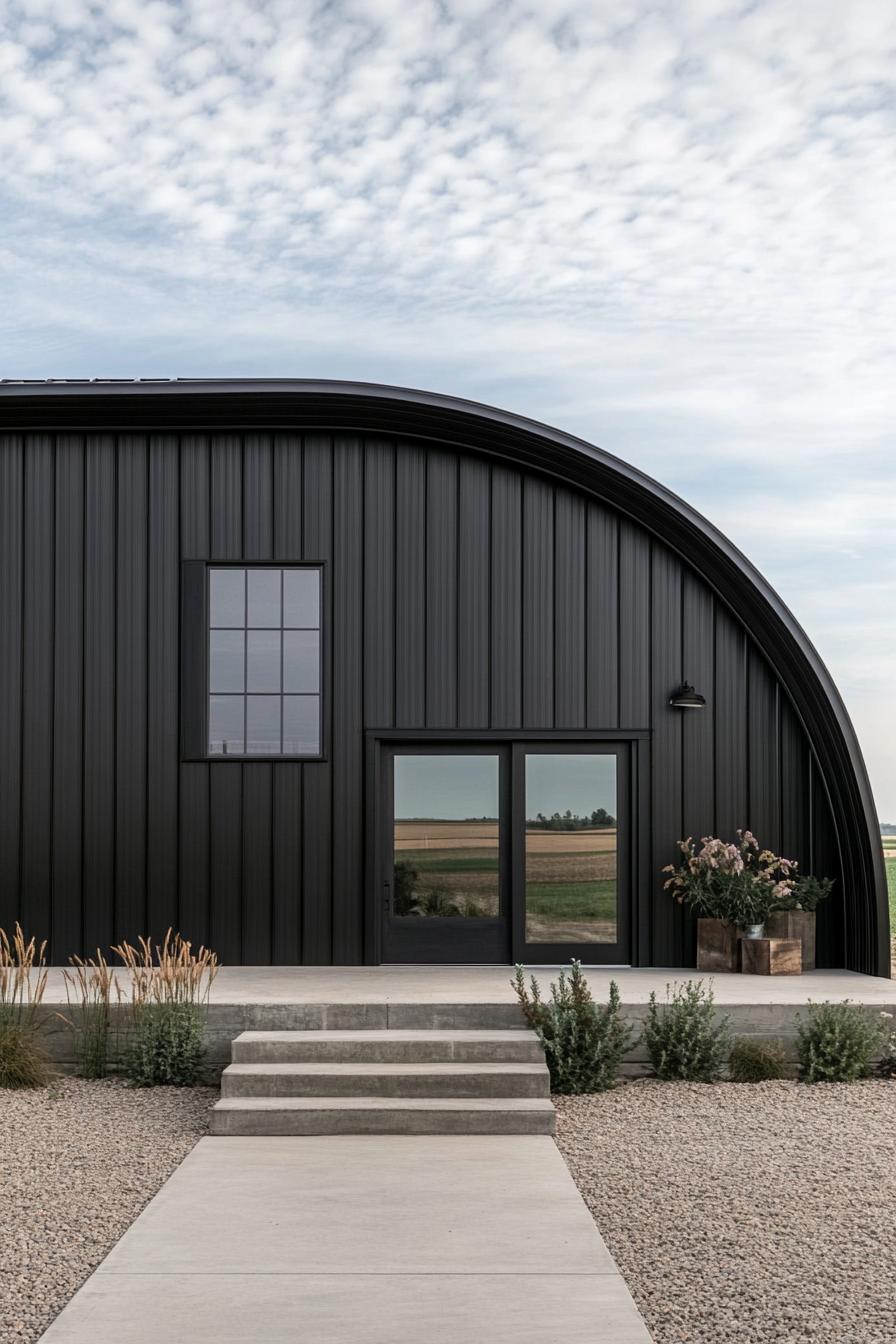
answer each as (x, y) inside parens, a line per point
(461, 593)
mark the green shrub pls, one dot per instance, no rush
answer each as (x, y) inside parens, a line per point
(168, 1046)
(836, 1043)
(886, 1065)
(683, 1039)
(169, 993)
(23, 981)
(758, 1061)
(584, 1043)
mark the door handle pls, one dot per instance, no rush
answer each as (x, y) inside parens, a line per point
(387, 896)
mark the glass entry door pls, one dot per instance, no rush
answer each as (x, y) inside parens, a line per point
(509, 851)
(447, 868)
(571, 853)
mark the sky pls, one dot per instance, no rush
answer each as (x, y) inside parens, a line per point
(668, 228)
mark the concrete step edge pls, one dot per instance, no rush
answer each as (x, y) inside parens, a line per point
(383, 1068)
(385, 1104)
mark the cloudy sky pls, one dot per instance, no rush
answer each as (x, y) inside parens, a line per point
(666, 227)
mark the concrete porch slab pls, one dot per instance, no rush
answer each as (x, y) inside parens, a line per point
(378, 986)
(361, 1239)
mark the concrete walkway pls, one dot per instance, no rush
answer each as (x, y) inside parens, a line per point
(360, 1240)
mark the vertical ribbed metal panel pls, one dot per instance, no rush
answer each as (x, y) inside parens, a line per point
(37, 684)
(11, 568)
(538, 603)
(602, 618)
(410, 586)
(379, 584)
(441, 590)
(131, 687)
(68, 733)
(763, 754)
(193, 795)
(667, 920)
(226, 836)
(286, 926)
(569, 611)
(100, 511)
(506, 599)
(163, 743)
(348, 703)
(317, 779)
(473, 593)
(730, 724)
(634, 627)
(258, 785)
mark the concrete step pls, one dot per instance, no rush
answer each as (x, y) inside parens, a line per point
(511, 1046)
(263, 1116)
(385, 1080)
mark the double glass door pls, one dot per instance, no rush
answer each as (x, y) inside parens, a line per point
(508, 852)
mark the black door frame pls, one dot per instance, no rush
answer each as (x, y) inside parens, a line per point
(610, 954)
(637, 790)
(447, 939)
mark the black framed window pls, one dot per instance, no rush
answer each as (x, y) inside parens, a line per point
(262, 660)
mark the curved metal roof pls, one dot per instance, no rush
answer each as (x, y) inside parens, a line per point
(270, 403)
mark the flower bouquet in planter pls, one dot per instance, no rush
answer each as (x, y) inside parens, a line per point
(732, 888)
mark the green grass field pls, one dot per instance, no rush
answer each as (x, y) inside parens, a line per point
(891, 882)
(572, 900)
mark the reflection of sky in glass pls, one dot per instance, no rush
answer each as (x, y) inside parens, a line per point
(452, 787)
(455, 787)
(580, 784)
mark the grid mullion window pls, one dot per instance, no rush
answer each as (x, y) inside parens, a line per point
(264, 683)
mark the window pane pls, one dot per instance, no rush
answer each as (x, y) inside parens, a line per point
(263, 661)
(301, 660)
(263, 725)
(264, 597)
(227, 597)
(225, 662)
(446, 857)
(301, 597)
(571, 848)
(225, 725)
(301, 725)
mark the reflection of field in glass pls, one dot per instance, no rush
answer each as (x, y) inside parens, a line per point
(571, 886)
(446, 868)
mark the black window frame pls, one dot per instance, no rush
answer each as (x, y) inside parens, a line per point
(194, 660)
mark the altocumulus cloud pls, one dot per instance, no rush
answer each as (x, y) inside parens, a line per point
(669, 228)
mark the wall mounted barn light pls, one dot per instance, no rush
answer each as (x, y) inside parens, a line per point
(687, 698)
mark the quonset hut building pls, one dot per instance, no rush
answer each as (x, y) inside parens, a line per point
(323, 672)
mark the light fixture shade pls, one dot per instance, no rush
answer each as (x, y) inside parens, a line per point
(687, 698)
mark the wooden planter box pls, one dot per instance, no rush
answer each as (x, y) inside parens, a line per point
(795, 924)
(716, 945)
(770, 956)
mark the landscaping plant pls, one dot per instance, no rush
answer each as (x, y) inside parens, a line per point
(584, 1043)
(683, 1039)
(89, 989)
(169, 995)
(837, 1043)
(886, 1065)
(23, 980)
(740, 883)
(758, 1061)
(808, 892)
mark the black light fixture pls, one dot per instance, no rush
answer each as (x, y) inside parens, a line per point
(687, 698)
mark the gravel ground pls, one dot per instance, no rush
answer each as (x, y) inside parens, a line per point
(78, 1161)
(754, 1213)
